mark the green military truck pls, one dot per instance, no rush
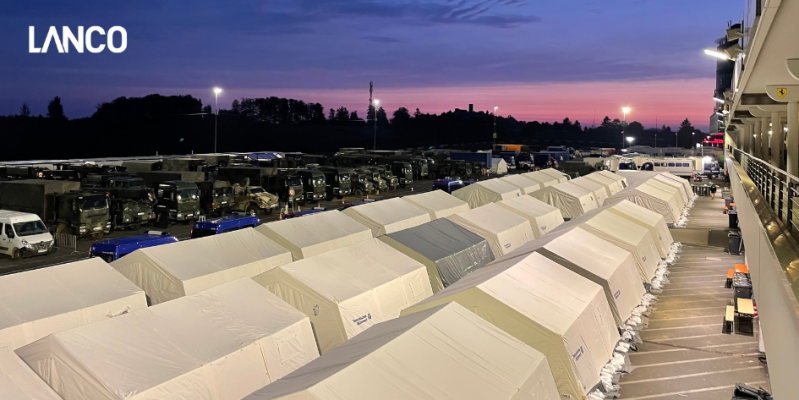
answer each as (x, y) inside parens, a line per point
(374, 176)
(361, 183)
(153, 178)
(132, 202)
(418, 165)
(337, 182)
(177, 201)
(285, 184)
(216, 197)
(253, 199)
(313, 184)
(59, 203)
(385, 173)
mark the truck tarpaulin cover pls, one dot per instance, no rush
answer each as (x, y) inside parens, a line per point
(503, 229)
(316, 233)
(350, 289)
(34, 304)
(486, 192)
(542, 217)
(174, 270)
(571, 199)
(19, 382)
(541, 178)
(650, 220)
(547, 307)
(448, 250)
(387, 216)
(595, 259)
(526, 185)
(437, 203)
(31, 195)
(611, 186)
(219, 344)
(443, 353)
(599, 191)
(651, 198)
(499, 166)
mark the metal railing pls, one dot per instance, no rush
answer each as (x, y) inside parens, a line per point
(66, 241)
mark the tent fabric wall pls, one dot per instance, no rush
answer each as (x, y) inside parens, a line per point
(546, 306)
(387, 216)
(652, 221)
(503, 229)
(19, 382)
(595, 259)
(174, 270)
(682, 181)
(542, 216)
(675, 191)
(571, 199)
(219, 344)
(686, 197)
(650, 198)
(560, 176)
(498, 166)
(445, 352)
(611, 186)
(541, 178)
(345, 291)
(448, 250)
(486, 192)
(437, 203)
(525, 185)
(316, 233)
(599, 191)
(616, 177)
(36, 303)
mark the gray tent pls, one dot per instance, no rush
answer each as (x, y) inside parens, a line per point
(448, 250)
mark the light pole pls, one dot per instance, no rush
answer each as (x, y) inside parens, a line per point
(374, 146)
(216, 115)
(630, 140)
(624, 111)
(495, 128)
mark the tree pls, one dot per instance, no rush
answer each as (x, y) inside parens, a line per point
(25, 111)
(381, 116)
(331, 115)
(235, 107)
(400, 116)
(418, 113)
(55, 110)
(634, 128)
(207, 109)
(354, 116)
(342, 114)
(684, 134)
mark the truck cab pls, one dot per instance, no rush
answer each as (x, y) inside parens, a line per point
(374, 176)
(361, 184)
(313, 184)
(337, 182)
(286, 185)
(24, 235)
(177, 201)
(224, 224)
(132, 202)
(385, 173)
(216, 197)
(403, 171)
(114, 249)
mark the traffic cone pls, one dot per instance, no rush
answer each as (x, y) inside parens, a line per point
(754, 305)
(411, 189)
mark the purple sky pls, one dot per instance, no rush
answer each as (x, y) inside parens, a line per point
(536, 60)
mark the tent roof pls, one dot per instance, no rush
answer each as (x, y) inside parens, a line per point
(541, 178)
(671, 182)
(527, 185)
(573, 189)
(443, 352)
(649, 217)
(613, 186)
(19, 382)
(59, 289)
(437, 203)
(437, 239)
(386, 216)
(492, 218)
(332, 227)
(530, 206)
(497, 186)
(560, 176)
(611, 175)
(588, 184)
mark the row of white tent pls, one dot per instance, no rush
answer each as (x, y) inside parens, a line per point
(218, 336)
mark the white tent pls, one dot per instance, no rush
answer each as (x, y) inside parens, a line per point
(36, 303)
(19, 382)
(487, 191)
(616, 177)
(546, 306)
(651, 198)
(560, 176)
(499, 166)
(611, 186)
(682, 181)
(446, 352)
(541, 178)
(525, 185)
(174, 270)
(387, 216)
(673, 190)
(652, 221)
(219, 344)
(542, 216)
(316, 233)
(685, 196)
(503, 229)
(599, 191)
(350, 289)
(595, 259)
(437, 203)
(571, 199)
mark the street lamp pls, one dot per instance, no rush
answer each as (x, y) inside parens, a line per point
(495, 127)
(718, 54)
(374, 146)
(630, 140)
(216, 115)
(624, 111)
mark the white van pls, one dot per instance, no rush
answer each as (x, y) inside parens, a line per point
(23, 234)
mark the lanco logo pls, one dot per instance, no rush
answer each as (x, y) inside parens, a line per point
(78, 39)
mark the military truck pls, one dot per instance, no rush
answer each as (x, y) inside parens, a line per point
(23, 172)
(453, 168)
(361, 183)
(59, 203)
(419, 165)
(337, 182)
(578, 168)
(177, 201)
(153, 178)
(283, 183)
(313, 184)
(253, 199)
(135, 166)
(216, 197)
(403, 171)
(132, 202)
(374, 177)
(391, 181)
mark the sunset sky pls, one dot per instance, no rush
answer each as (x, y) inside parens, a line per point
(535, 60)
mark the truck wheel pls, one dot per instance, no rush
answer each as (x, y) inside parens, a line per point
(415, 176)
(358, 192)
(62, 229)
(339, 197)
(253, 210)
(16, 254)
(163, 220)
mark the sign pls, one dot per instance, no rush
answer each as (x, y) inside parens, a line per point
(782, 92)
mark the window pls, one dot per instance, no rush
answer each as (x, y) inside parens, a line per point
(671, 164)
(9, 232)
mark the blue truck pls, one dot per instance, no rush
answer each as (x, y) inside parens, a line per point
(114, 249)
(472, 157)
(224, 224)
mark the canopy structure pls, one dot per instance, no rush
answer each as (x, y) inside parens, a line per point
(541, 178)
(652, 221)
(503, 229)
(682, 181)
(316, 233)
(616, 177)
(437, 203)
(560, 176)
(675, 191)
(597, 260)
(222, 343)
(684, 195)
(487, 191)
(611, 186)
(446, 352)
(36, 303)
(448, 250)
(387, 216)
(346, 291)
(599, 191)
(499, 166)
(572, 200)
(175, 270)
(19, 382)
(651, 198)
(525, 185)
(542, 217)
(547, 307)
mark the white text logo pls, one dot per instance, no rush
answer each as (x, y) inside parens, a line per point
(90, 38)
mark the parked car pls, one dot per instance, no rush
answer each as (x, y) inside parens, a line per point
(23, 234)
(114, 249)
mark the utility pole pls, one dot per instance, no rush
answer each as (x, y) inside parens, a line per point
(495, 128)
